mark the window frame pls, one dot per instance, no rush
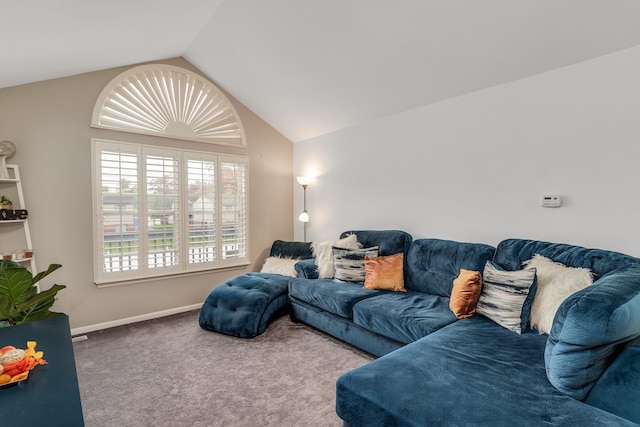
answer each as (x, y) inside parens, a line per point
(182, 266)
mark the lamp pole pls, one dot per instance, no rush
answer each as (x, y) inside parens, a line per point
(304, 216)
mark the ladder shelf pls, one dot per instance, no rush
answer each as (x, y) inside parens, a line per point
(17, 239)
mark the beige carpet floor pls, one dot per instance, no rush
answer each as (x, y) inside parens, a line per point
(170, 372)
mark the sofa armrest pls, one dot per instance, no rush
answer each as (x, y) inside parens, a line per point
(618, 389)
(589, 330)
(307, 269)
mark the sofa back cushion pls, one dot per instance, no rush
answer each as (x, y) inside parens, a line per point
(297, 250)
(511, 253)
(589, 329)
(389, 242)
(433, 264)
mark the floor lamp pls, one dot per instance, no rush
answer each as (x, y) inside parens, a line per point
(304, 216)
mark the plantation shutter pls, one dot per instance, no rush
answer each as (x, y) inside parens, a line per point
(233, 194)
(117, 234)
(162, 202)
(168, 101)
(201, 194)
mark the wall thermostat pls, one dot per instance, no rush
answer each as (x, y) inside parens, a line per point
(551, 201)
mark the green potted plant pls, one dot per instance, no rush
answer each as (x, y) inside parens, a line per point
(5, 202)
(20, 301)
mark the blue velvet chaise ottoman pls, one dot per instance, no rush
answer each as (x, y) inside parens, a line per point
(243, 305)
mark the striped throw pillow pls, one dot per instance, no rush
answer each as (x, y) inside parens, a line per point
(349, 263)
(506, 296)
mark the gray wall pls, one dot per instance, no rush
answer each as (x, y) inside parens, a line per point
(475, 168)
(49, 123)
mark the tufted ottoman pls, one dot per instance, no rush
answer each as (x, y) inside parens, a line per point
(243, 305)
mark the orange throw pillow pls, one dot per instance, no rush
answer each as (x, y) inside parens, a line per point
(466, 291)
(385, 273)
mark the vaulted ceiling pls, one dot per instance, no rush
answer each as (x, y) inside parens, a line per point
(311, 67)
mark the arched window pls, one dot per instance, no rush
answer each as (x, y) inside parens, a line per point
(158, 210)
(164, 100)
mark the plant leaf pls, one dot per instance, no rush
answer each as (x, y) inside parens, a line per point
(7, 309)
(40, 303)
(42, 274)
(15, 284)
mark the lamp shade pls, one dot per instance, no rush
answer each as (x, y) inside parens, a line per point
(304, 217)
(304, 180)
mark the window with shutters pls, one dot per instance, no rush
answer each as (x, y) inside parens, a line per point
(163, 211)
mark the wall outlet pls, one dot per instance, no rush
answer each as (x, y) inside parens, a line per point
(551, 201)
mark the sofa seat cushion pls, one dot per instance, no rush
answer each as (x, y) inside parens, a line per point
(472, 372)
(335, 297)
(404, 317)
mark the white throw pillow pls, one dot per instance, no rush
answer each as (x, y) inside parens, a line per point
(556, 282)
(277, 265)
(323, 253)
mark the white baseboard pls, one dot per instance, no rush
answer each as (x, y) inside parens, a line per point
(134, 319)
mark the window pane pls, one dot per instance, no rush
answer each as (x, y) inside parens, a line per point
(234, 209)
(163, 211)
(119, 209)
(202, 210)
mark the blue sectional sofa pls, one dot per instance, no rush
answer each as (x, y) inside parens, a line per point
(435, 369)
